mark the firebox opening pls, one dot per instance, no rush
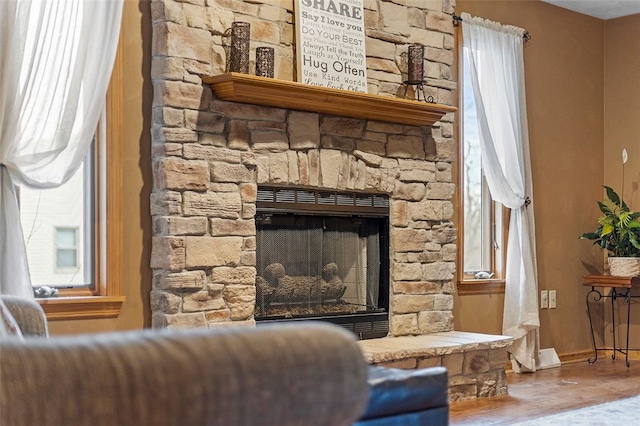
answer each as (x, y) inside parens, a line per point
(324, 262)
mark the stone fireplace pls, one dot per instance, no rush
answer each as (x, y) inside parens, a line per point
(233, 163)
(215, 159)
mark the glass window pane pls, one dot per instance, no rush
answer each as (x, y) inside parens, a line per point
(54, 224)
(66, 238)
(472, 182)
(478, 227)
(66, 258)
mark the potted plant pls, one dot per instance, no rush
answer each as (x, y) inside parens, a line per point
(618, 233)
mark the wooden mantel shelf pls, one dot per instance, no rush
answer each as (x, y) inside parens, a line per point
(251, 89)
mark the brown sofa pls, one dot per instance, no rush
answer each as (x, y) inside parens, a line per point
(306, 374)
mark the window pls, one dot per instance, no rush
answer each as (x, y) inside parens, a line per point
(482, 222)
(67, 249)
(57, 224)
(84, 222)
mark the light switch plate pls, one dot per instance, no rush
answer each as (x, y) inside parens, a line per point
(552, 299)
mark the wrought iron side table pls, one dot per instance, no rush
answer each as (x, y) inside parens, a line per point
(620, 289)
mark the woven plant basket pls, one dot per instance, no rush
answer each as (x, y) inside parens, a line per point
(624, 266)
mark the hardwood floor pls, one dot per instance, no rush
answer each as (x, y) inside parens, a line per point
(551, 391)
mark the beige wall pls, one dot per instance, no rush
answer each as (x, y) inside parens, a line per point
(136, 178)
(622, 106)
(583, 97)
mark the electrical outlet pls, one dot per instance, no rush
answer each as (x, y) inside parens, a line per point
(544, 299)
(552, 299)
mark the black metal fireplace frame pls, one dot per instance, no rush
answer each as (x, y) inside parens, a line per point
(303, 201)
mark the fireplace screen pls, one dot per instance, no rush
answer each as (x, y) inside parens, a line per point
(318, 265)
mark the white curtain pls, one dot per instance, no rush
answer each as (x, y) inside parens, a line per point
(56, 58)
(494, 53)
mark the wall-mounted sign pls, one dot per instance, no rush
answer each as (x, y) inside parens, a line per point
(330, 44)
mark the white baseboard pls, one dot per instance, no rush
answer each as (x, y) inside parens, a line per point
(547, 358)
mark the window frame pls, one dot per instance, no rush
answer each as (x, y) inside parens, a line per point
(106, 298)
(467, 284)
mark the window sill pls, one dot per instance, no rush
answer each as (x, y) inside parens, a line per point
(82, 307)
(470, 287)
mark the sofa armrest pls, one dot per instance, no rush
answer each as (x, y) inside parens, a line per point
(407, 397)
(28, 315)
(289, 374)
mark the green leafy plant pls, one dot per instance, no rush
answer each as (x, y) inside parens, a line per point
(618, 229)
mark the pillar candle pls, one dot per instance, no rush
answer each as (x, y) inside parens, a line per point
(239, 57)
(415, 72)
(264, 61)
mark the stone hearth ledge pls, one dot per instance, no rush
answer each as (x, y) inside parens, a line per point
(475, 362)
(393, 349)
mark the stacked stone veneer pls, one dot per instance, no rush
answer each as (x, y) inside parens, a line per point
(475, 362)
(210, 156)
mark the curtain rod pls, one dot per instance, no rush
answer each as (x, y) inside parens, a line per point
(457, 19)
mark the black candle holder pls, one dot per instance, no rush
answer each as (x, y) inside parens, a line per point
(264, 61)
(415, 72)
(239, 56)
